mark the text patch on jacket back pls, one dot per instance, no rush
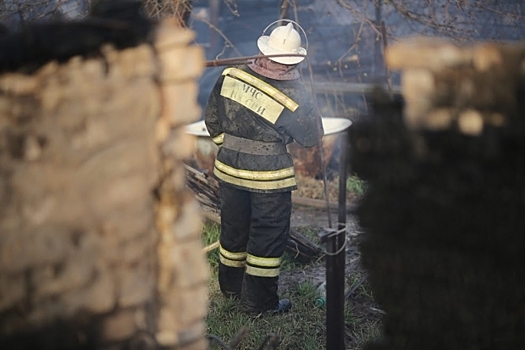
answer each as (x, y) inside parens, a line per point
(251, 98)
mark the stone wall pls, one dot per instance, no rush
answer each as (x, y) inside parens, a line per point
(100, 243)
(443, 213)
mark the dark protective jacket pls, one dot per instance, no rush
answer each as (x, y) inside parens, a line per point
(253, 118)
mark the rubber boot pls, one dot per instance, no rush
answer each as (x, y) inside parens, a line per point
(230, 280)
(259, 295)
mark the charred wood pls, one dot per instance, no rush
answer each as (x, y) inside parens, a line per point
(444, 237)
(119, 23)
(205, 188)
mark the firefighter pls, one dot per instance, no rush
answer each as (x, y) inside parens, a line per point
(253, 112)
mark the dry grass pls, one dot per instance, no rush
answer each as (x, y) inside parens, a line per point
(309, 187)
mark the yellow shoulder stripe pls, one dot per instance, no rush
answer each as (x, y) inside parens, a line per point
(263, 86)
(219, 139)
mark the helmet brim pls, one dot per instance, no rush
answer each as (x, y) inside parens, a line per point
(262, 44)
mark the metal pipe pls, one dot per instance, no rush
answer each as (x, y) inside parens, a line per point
(321, 149)
(335, 263)
(244, 59)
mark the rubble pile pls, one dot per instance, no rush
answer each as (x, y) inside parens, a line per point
(100, 241)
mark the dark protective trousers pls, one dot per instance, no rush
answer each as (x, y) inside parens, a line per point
(254, 231)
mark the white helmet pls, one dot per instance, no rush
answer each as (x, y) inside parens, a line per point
(282, 40)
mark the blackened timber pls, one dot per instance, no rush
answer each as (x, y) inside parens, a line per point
(301, 248)
(119, 23)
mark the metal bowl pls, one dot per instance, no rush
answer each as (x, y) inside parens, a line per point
(307, 161)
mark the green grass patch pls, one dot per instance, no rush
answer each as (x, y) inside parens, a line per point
(304, 328)
(210, 235)
(355, 185)
(301, 329)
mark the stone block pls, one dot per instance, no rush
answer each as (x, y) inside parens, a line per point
(180, 145)
(100, 128)
(136, 283)
(193, 303)
(189, 265)
(179, 105)
(417, 86)
(201, 344)
(181, 63)
(18, 84)
(426, 52)
(12, 289)
(21, 250)
(169, 34)
(172, 333)
(141, 247)
(167, 326)
(127, 234)
(118, 178)
(188, 225)
(133, 62)
(119, 326)
(97, 297)
(191, 334)
(70, 274)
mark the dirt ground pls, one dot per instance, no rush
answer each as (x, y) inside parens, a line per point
(316, 219)
(361, 301)
(310, 212)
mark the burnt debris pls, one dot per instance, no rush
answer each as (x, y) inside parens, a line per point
(120, 23)
(444, 224)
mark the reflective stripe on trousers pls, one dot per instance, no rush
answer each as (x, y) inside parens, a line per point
(254, 231)
(232, 259)
(255, 265)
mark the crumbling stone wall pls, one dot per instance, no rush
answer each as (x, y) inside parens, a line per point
(445, 230)
(99, 240)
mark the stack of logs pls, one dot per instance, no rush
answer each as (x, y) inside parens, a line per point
(443, 214)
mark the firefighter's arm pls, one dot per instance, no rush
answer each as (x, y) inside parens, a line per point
(211, 117)
(304, 125)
